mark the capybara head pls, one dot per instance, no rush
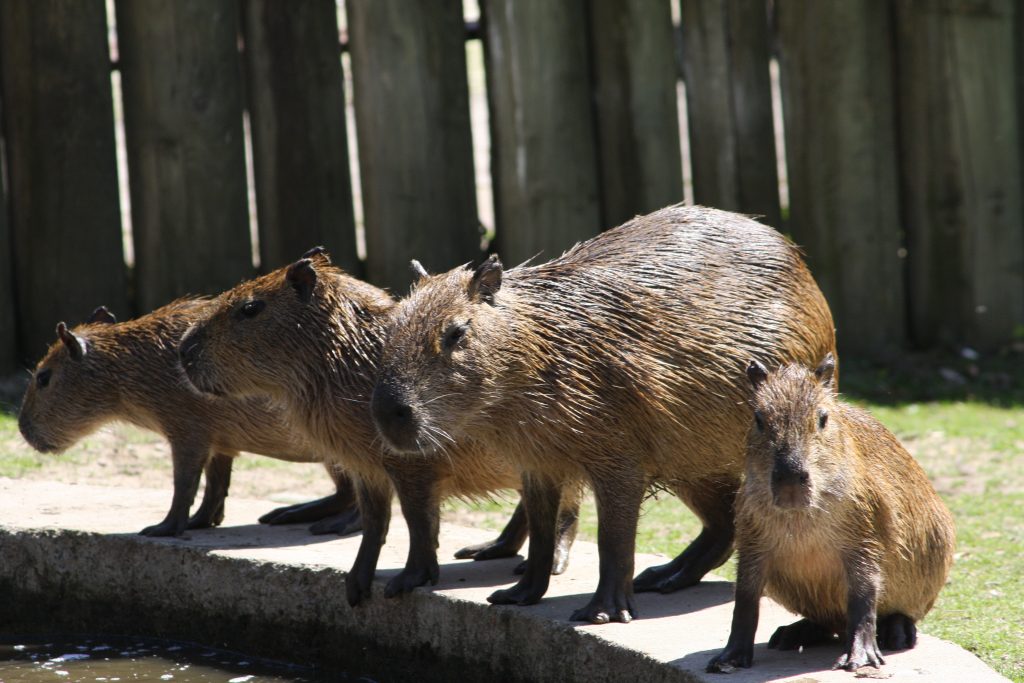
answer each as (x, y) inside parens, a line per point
(72, 391)
(794, 451)
(262, 337)
(442, 363)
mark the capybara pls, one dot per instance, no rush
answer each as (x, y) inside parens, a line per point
(104, 371)
(836, 521)
(309, 336)
(615, 362)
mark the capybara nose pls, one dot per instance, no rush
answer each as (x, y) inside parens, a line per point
(785, 474)
(393, 414)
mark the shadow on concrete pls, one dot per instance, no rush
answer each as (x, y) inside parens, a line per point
(245, 536)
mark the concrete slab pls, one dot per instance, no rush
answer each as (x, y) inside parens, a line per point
(67, 549)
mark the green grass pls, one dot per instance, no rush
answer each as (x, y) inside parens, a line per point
(968, 435)
(15, 465)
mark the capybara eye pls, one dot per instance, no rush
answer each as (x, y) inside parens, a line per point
(822, 419)
(454, 335)
(251, 309)
(759, 420)
(43, 378)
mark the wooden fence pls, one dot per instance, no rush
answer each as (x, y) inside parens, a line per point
(902, 124)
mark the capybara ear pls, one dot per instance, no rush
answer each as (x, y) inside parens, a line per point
(756, 373)
(318, 251)
(486, 280)
(418, 269)
(302, 275)
(826, 370)
(75, 346)
(103, 315)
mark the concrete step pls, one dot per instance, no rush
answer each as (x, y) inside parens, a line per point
(71, 558)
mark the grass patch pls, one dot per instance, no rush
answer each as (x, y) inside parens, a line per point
(15, 464)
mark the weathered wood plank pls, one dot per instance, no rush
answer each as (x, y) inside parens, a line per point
(544, 161)
(961, 170)
(8, 330)
(840, 138)
(65, 217)
(415, 144)
(183, 125)
(729, 106)
(300, 149)
(635, 97)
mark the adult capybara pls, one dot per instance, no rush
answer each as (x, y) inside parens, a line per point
(615, 361)
(836, 521)
(103, 371)
(309, 336)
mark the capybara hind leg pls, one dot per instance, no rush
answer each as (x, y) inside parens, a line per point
(541, 499)
(218, 481)
(421, 507)
(897, 632)
(803, 633)
(568, 524)
(342, 524)
(507, 544)
(712, 502)
(618, 507)
(375, 505)
(329, 509)
(188, 466)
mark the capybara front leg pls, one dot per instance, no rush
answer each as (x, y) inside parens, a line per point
(218, 481)
(375, 506)
(739, 651)
(188, 466)
(862, 595)
(541, 498)
(618, 497)
(418, 495)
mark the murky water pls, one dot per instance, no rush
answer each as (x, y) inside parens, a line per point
(35, 660)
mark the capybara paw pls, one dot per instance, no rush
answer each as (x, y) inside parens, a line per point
(342, 524)
(729, 659)
(205, 521)
(648, 579)
(407, 579)
(357, 590)
(803, 633)
(519, 594)
(897, 632)
(491, 550)
(599, 612)
(863, 652)
(164, 528)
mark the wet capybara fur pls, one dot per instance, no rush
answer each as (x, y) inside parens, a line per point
(309, 336)
(615, 362)
(104, 371)
(835, 521)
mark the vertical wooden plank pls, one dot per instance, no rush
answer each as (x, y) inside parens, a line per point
(183, 126)
(415, 145)
(635, 97)
(543, 137)
(840, 139)
(59, 129)
(8, 332)
(961, 170)
(297, 114)
(729, 105)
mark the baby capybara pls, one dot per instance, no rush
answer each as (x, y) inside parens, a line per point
(105, 371)
(614, 363)
(309, 336)
(836, 521)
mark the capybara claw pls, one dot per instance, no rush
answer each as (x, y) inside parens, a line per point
(726, 661)
(597, 613)
(516, 595)
(491, 550)
(802, 633)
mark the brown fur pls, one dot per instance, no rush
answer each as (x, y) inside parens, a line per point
(314, 346)
(617, 362)
(865, 516)
(130, 372)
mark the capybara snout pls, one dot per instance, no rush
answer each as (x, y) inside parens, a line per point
(397, 421)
